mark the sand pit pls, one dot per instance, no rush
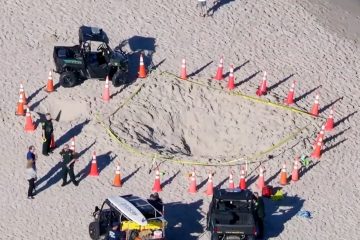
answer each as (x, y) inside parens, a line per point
(182, 119)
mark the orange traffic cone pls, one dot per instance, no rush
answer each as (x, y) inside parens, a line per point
(262, 90)
(20, 106)
(242, 183)
(142, 71)
(50, 84)
(283, 175)
(317, 151)
(315, 107)
(157, 185)
(52, 142)
(329, 125)
(193, 187)
(219, 72)
(320, 135)
(106, 92)
(231, 83)
(231, 181)
(290, 97)
(29, 125)
(210, 187)
(72, 144)
(261, 181)
(22, 92)
(94, 170)
(117, 179)
(295, 172)
(183, 74)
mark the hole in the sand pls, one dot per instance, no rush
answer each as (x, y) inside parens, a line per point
(67, 110)
(202, 123)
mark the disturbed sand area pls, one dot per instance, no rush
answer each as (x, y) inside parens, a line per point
(191, 122)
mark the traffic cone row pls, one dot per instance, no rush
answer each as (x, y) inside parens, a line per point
(183, 74)
(315, 107)
(231, 82)
(262, 90)
(94, 169)
(106, 92)
(50, 84)
(242, 183)
(117, 179)
(29, 124)
(219, 73)
(142, 70)
(290, 97)
(210, 187)
(157, 184)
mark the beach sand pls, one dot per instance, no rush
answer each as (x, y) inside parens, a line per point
(291, 40)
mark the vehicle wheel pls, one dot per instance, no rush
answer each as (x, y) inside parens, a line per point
(68, 79)
(119, 78)
(94, 230)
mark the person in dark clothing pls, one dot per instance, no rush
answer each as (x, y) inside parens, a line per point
(260, 214)
(68, 161)
(115, 233)
(156, 201)
(48, 130)
(31, 156)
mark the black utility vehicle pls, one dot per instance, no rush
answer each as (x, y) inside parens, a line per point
(231, 215)
(81, 62)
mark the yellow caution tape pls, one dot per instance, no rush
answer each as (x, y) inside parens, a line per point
(251, 98)
(127, 100)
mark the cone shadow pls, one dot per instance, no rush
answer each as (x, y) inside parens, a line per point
(272, 87)
(247, 79)
(200, 69)
(333, 146)
(323, 109)
(344, 119)
(236, 68)
(127, 178)
(306, 94)
(169, 180)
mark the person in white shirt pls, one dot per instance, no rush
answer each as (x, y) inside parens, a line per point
(31, 177)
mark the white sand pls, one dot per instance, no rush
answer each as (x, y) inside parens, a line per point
(194, 123)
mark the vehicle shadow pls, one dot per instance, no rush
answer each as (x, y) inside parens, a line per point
(277, 213)
(137, 45)
(183, 220)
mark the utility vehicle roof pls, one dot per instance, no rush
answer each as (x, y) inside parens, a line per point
(233, 194)
(134, 208)
(87, 33)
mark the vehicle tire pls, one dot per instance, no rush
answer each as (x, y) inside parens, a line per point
(94, 230)
(119, 78)
(68, 79)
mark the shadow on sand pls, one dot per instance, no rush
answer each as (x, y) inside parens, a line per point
(277, 213)
(184, 220)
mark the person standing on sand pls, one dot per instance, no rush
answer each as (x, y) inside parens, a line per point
(31, 156)
(68, 161)
(202, 5)
(48, 130)
(260, 214)
(31, 177)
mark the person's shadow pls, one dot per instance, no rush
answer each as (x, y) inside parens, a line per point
(51, 177)
(217, 4)
(183, 220)
(277, 213)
